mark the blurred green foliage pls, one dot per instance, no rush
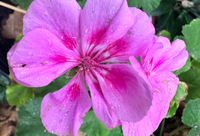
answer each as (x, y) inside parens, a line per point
(18, 94)
(30, 122)
(173, 15)
(147, 5)
(93, 127)
(4, 81)
(191, 116)
(179, 96)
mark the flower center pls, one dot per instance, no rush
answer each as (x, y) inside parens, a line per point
(86, 63)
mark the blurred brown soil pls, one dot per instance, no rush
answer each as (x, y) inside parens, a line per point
(8, 119)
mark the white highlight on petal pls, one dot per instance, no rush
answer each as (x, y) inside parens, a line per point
(106, 54)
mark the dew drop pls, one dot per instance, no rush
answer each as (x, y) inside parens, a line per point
(195, 127)
(86, 30)
(23, 72)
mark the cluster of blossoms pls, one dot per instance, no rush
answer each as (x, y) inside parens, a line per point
(99, 41)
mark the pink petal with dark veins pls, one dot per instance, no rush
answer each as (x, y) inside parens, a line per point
(63, 110)
(126, 92)
(39, 58)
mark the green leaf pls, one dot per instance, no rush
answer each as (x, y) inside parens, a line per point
(192, 78)
(195, 12)
(185, 68)
(173, 22)
(196, 1)
(81, 3)
(196, 65)
(179, 96)
(164, 7)
(93, 127)
(24, 4)
(53, 86)
(30, 123)
(147, 5)
(2, 93)
(4, 81)
(18, 38)
(191, 116)
(191, 33)
(179, 37)
(164, 33)
(18, 94)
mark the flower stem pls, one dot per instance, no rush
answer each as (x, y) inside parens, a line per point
(12, 7)
(178, 129)
(162, 127)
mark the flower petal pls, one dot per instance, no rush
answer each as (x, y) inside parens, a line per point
(168, 57)
(60, 17)
(151, 58)
(128, 95)
(165, 81)
(100, 107)
(39, 58)
(176, 56)
(12, 49)
(62, 111)
(134, 42)
(102, 22)
(157, 111)
(137, 67)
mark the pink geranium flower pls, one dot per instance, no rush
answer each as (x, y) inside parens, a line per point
(98, 41)
(155, 67)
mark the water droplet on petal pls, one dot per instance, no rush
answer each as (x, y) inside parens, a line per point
(23, 72)
(86, 30)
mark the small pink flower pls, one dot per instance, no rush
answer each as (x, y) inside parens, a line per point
(98, 41)
(155, 67)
